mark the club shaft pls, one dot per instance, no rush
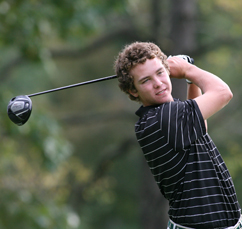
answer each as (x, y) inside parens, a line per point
(73, 85)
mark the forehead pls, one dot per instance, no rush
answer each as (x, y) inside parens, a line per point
(149, 67)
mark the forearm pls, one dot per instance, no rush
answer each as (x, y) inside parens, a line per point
(216, 93)
(207, 81)
(193, 91)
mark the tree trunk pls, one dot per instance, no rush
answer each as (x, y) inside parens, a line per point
(182, 36)
(154, 206)
(183, 26)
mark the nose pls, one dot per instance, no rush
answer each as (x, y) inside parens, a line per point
(157, 83)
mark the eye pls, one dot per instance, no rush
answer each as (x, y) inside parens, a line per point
(145, 80)
(160, 73)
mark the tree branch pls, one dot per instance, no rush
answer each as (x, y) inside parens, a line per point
(126, 33)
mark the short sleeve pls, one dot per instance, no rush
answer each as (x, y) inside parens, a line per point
(182, 123)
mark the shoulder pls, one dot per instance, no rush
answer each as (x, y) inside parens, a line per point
(169, 112)
(178, 106)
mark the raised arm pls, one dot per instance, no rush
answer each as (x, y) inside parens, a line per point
(216, 93)
(193, 91)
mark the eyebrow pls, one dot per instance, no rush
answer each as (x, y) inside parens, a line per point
(145, 77)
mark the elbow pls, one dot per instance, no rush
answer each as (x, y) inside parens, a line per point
(231, 95)
(227, 94)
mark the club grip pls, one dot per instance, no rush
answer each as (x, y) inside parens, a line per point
(186, 58)
(189, 60)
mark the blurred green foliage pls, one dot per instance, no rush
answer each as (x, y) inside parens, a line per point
(76, 163)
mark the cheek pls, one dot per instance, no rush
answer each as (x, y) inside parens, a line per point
(168, 81)
(144, 89)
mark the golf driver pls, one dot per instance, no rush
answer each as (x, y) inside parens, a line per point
(20, 107)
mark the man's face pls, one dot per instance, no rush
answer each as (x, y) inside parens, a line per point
(152, 83)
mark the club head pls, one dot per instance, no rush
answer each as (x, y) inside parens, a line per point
(19, 109)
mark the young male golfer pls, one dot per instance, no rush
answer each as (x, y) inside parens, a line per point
(182, 157)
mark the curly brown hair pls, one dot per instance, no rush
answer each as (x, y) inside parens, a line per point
(132, 55)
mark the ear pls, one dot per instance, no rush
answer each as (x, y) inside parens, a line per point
(134, 93)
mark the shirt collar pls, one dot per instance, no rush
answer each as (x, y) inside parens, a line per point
(143, 110)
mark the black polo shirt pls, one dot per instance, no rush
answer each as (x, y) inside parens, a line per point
(187, 166)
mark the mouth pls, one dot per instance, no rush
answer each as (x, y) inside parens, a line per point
(161, 92)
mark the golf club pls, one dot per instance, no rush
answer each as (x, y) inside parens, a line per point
(20, 107)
